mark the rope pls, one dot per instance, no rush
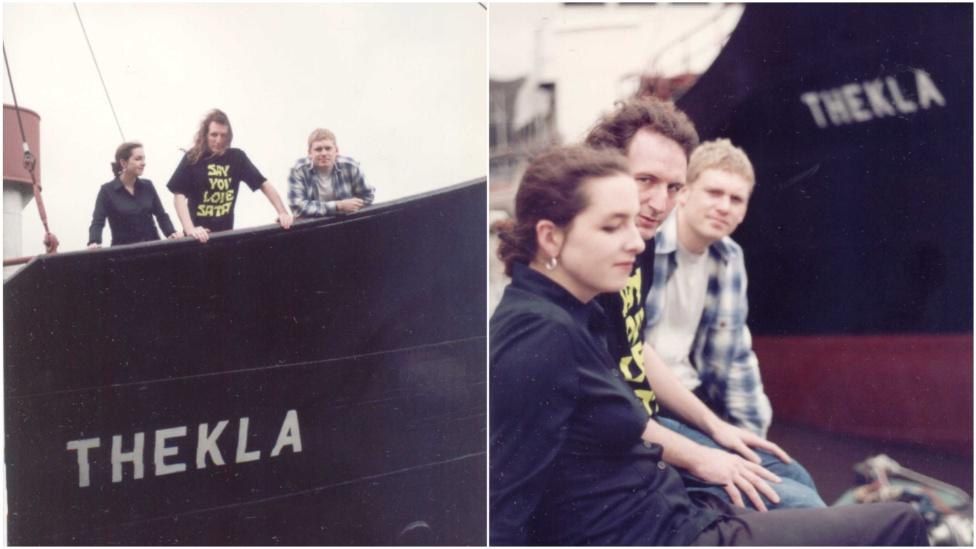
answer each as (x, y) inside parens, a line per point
(99, 71)
(30, 161)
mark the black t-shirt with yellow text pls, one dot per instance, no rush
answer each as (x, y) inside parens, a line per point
(210, 186)
(625, 337)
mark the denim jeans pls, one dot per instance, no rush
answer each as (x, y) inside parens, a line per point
(796, 491)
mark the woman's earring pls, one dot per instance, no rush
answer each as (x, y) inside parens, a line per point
(551, 264)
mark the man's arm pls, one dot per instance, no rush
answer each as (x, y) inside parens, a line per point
(726, 353)
(285, 219)
(305, 203)
(183, 213)
(674, 396)
(745, 397)
(360, 189)
(179, 185)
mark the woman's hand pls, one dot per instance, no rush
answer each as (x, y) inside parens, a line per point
(737, 475)
(94, 245)
(739, 440)
(175, 235)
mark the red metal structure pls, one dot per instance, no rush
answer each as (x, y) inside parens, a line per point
(13, 152)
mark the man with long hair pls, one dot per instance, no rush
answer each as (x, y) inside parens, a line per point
(206, 182)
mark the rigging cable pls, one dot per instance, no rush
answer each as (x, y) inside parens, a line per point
(98, 70)
(30, 161)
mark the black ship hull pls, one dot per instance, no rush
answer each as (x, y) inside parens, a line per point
(859, 242)
(323, 385)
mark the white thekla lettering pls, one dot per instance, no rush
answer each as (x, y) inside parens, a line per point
(863, 101)
(207, 444)
(82, 446)
(165, 445)
(135, 456)
(160, 451)
(288, 435)
(242, 454)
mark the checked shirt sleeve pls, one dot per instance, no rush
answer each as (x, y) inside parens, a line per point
(731, 342)
(745, 398)
(359, 187)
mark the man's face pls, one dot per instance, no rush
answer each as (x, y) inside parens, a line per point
(218, 137)
(660, 166)
(714, 204)
(323, 154)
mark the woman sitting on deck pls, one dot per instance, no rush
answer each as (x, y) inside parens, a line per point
(570, 460)
(129, 203)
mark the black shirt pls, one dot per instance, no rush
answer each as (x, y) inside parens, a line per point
(210, 186)
(625, 340)
(567, 463)
(130, 216)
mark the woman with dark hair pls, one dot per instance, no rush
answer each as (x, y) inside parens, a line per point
(571, 461)
(129, 203)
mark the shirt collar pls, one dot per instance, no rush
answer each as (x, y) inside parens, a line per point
(118, 186)
(667, 239)
(310, 169)
(720, 249)
(529, 279)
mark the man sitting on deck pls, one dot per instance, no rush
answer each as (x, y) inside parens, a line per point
(325, 183)
(657, 140)
(696, 308)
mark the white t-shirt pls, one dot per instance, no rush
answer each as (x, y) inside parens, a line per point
(324, 182)
(681, 311)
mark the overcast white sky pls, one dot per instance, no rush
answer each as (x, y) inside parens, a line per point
(403, 86)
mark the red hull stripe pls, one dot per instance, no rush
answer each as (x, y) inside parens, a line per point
(905, 388)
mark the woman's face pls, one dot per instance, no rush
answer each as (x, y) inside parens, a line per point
(600, 244)
(136, 163)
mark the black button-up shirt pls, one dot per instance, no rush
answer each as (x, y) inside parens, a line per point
(130, 216)
(567, 463)
(625, 315)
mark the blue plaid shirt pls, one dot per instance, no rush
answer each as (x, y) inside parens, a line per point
(303, 194)
(722, 348)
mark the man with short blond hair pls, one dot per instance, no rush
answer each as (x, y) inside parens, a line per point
(696, 310)
(325, 183)
(319, 134)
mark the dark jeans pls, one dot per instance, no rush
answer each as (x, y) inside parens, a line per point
(891, 523)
